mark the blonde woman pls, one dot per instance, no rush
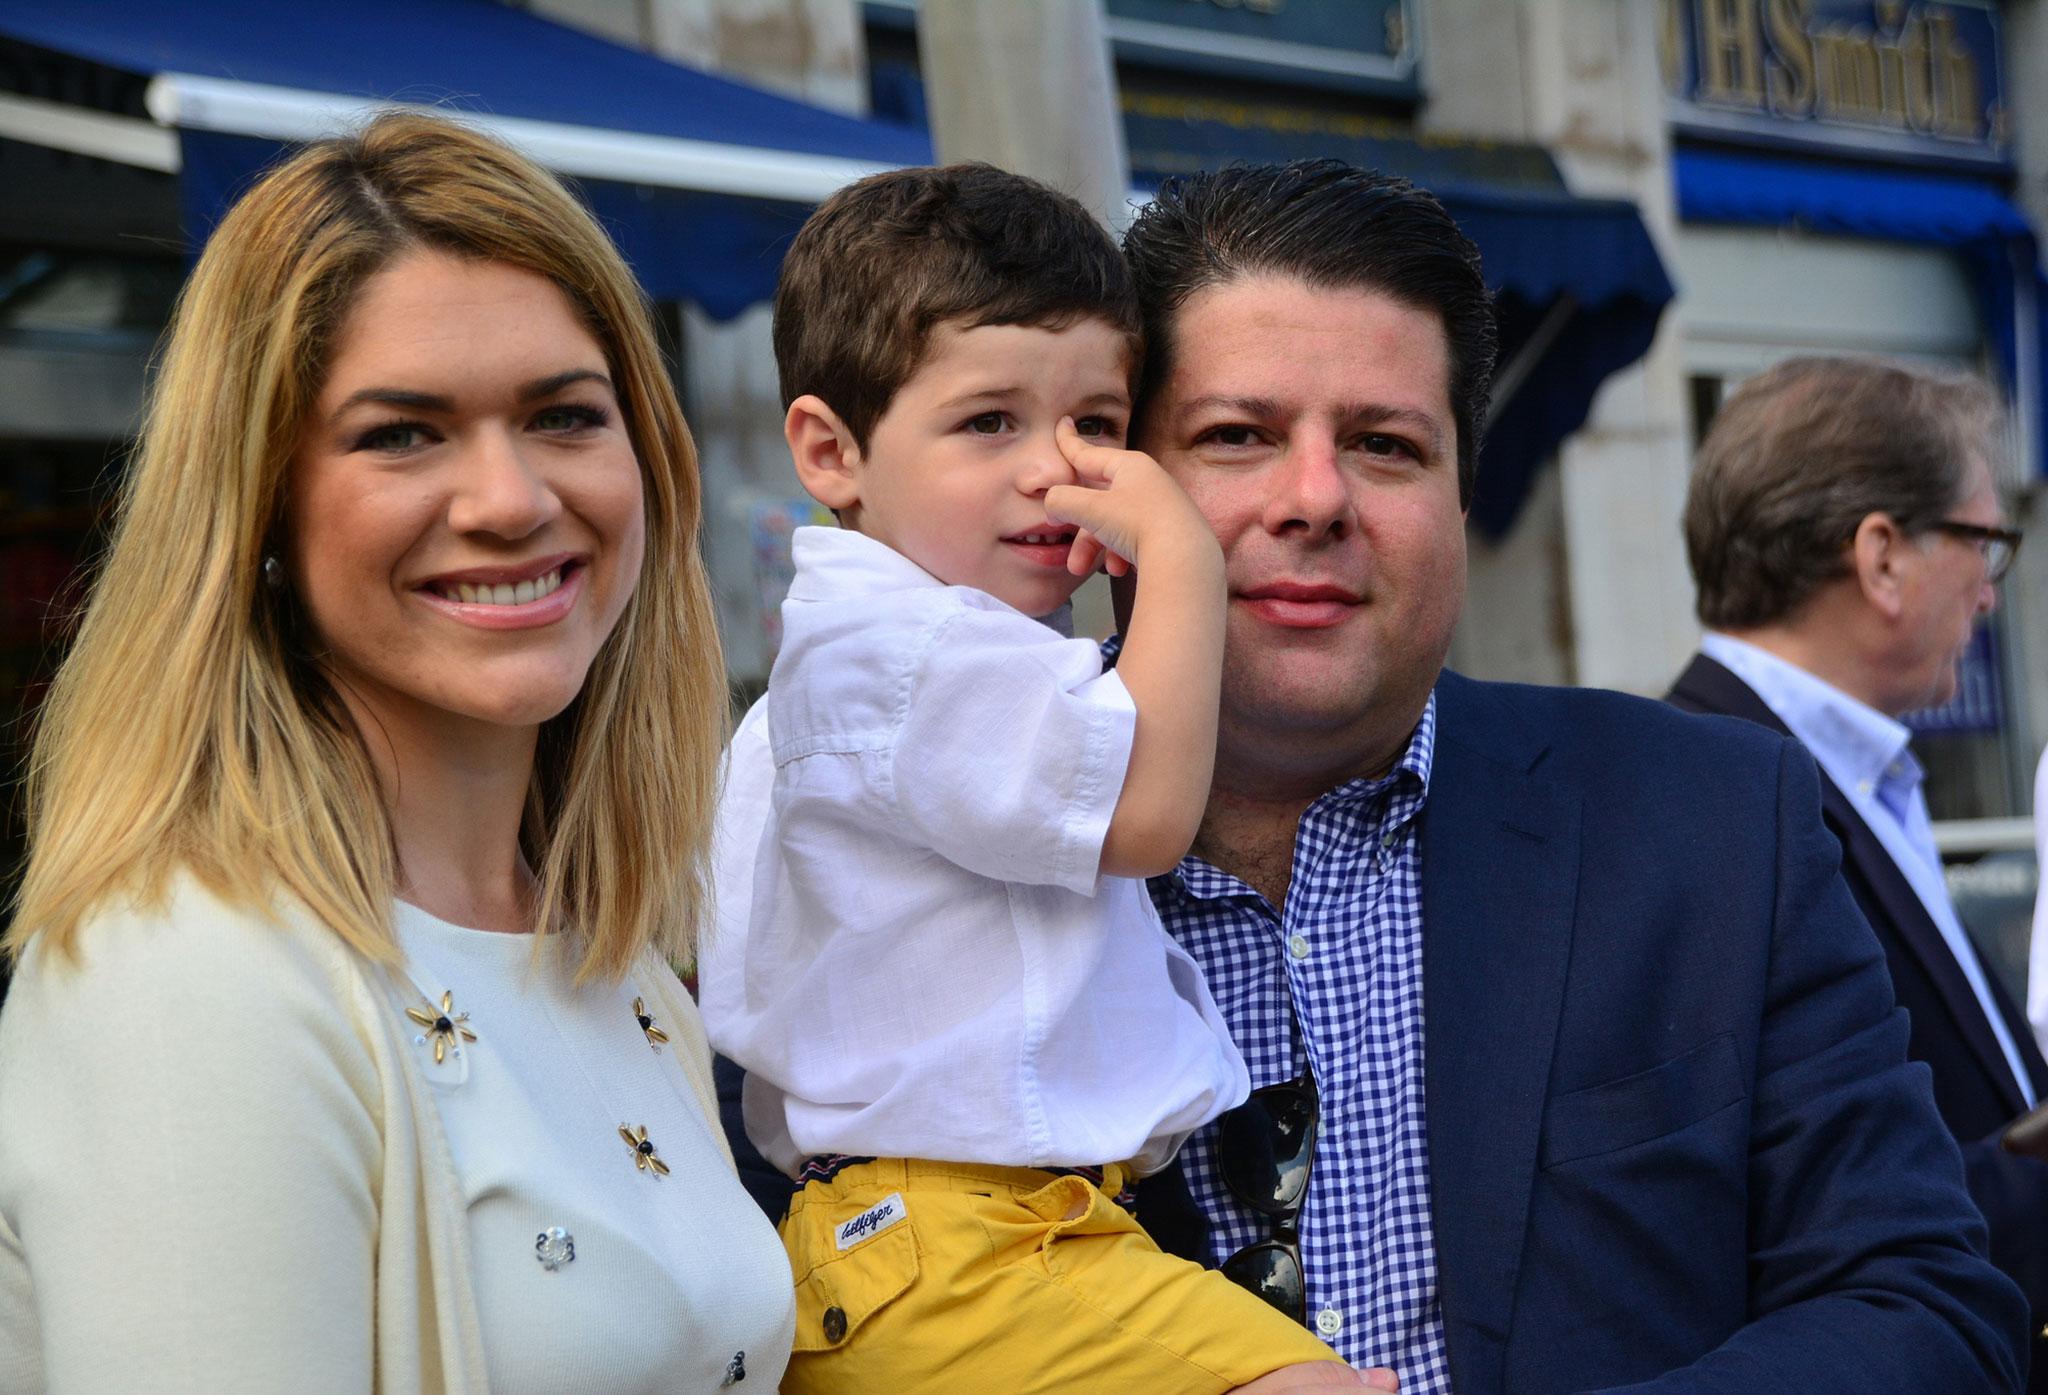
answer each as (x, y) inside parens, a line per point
(342, 1053)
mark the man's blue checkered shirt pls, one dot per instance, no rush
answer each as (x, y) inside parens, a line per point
(1343, 964)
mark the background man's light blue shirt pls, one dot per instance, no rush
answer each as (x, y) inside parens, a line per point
(1868, 756)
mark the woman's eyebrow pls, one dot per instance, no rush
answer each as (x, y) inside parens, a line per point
(436, 402)
(555, 382)
(396, 397)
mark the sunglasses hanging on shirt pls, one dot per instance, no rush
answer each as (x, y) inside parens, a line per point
(1264, 1150)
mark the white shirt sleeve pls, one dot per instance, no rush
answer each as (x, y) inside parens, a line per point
(189, 1163)
(2037, 951)
(745, 805)
(1012, 751)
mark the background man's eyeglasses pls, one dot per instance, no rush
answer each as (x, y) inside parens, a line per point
(1999, 545)
(1264, 1150)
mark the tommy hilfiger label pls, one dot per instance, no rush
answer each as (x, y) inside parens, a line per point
(873, 1221)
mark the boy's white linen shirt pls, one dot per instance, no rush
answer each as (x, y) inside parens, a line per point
(916, 955)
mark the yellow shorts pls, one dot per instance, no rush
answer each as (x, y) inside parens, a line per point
(953, 1277)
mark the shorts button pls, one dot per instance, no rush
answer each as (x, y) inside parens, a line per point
(835, 1324)
(1329, 1322)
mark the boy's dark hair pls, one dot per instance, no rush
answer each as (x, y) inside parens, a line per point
(887, 259)
(1331, 225)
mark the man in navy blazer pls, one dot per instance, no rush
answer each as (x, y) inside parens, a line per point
(1613, 1092)
(1666, 1128)
(1845, 535)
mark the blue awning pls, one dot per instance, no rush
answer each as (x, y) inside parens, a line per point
(702, 180)
(1719, 186)
(1971, 216)
(1578, 290)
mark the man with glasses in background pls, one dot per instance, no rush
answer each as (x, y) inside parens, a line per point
(1845, 536)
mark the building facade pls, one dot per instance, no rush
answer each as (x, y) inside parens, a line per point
(1671, 194)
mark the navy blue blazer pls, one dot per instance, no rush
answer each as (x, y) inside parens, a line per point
(1674, 1141)
(1672, 1128)
(1974, 1085)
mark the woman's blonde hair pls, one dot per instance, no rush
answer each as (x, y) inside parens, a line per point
(189, 729)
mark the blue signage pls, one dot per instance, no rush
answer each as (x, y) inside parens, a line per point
(1368, 46)
(1891, 78)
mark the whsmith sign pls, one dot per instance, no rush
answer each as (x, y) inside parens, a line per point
(1876, 77)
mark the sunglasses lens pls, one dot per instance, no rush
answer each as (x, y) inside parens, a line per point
(1272, 1271)
(1265, 1145)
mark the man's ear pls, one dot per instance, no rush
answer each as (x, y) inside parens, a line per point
(824, 452)
(1880, 555)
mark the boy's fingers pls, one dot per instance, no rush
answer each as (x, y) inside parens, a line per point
(1074, 503)
(1095, 512)
(1084, 554)
(1092, 460)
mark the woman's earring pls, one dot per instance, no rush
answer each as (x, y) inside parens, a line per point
(273, 572)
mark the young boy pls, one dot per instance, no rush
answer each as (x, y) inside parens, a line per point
(963, 1023)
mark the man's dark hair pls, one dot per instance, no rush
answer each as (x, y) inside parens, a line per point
(1328, 224)
(890, 258)
(1802, 454)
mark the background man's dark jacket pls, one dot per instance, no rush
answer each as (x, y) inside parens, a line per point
(1973, 1082)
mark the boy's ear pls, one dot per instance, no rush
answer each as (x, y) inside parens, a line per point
(824, 452)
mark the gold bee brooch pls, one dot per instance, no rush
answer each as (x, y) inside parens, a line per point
(656, 1037)
(644, 1159)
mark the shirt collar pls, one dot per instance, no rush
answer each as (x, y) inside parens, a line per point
(1859, 746)
(1405, 786)
(834, 563)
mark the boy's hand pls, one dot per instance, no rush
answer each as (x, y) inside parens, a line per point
(1124, 504)
(1131, 511)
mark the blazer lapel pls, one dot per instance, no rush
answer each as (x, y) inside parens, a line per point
(1921, 937)
(1500, 864)
(1707, 686)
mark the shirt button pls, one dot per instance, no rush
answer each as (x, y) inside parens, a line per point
(1297, 945)
(1389, 838)
(835, 1324)
(1329, 1322)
